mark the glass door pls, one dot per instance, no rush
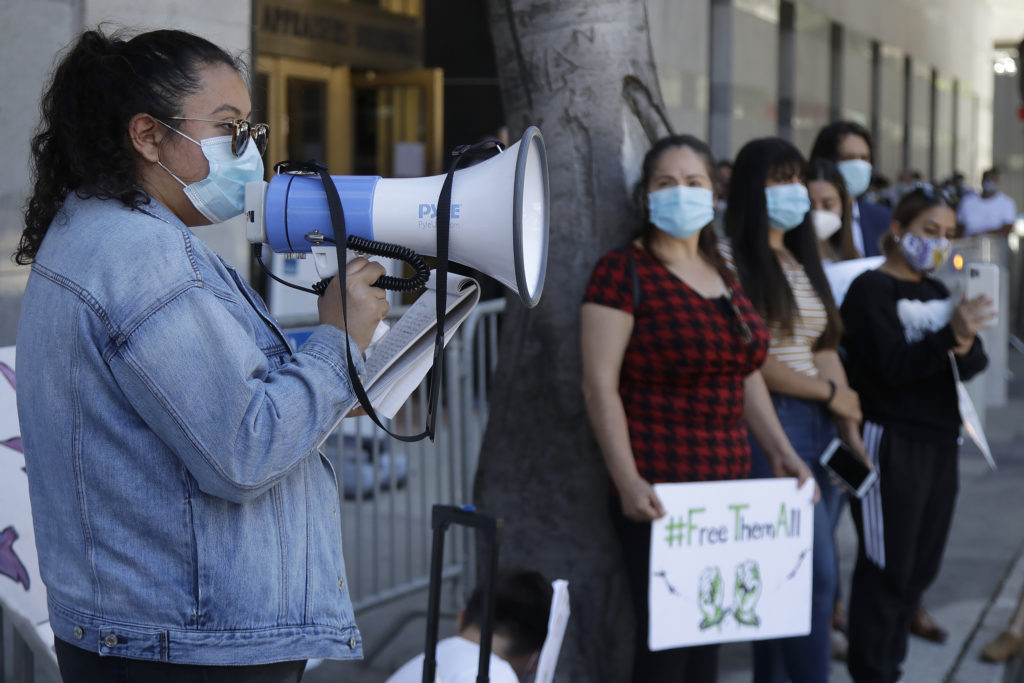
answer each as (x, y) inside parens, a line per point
(398, 122)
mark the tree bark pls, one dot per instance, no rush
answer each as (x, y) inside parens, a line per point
(582, 72)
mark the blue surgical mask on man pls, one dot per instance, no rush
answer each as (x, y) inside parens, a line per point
(857, 174)
(787, 205)
(221, 194)
(681, 211)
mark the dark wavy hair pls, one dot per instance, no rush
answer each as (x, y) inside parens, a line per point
(842, 241)
(747, 226)
(82, 143)
(826, 145)
(912, 205)
(707, 242)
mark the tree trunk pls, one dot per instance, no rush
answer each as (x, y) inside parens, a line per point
(583, 73)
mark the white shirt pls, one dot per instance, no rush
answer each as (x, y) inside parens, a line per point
(978, 214)
(457, 662)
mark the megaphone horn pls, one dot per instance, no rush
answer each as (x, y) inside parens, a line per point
(498, 226)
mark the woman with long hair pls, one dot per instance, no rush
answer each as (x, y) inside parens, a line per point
(665, 326)
(774, 249)
(831, 210)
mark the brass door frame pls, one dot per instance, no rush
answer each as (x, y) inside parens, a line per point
(339, 107)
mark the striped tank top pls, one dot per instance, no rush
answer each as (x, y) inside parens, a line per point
(795, 348)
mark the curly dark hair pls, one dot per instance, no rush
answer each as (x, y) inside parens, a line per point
(82, 142)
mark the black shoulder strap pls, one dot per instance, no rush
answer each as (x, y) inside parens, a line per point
(337, 212)
(636, 281)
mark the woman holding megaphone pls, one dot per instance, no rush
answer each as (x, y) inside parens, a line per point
(186, 525)
(665, 326)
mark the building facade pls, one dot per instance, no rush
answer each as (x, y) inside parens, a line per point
(387, 86)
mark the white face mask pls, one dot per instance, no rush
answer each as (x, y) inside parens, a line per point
(221, 194)
(826, 223)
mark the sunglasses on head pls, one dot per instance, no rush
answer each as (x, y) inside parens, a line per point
(241, 131)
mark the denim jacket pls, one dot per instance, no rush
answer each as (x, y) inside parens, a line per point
(182, 512)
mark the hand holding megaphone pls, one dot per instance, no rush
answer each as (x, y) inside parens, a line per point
(367, 305)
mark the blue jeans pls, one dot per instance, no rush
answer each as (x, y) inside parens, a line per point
(804, 659)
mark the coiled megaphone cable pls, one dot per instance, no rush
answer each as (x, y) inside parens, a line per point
(387, 250)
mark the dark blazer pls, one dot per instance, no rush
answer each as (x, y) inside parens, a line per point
(874, 222)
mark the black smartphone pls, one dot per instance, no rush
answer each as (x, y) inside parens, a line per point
(855, 475)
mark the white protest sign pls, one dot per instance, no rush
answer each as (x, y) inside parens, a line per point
(558, 620)
(841, 274)
(22, 593)
(731, 561)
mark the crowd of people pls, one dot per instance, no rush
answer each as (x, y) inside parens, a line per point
(185, 540)
(723, 293)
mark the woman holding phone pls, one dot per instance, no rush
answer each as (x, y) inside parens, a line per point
(903, 333)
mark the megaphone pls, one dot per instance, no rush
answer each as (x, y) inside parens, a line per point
(498, 224)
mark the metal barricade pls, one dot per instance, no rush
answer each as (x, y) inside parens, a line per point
(389, 487)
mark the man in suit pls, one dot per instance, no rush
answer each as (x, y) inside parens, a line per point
(848, 145)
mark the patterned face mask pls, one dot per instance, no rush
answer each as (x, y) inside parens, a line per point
(924, 254)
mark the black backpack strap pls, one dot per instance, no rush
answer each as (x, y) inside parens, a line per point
(636, 281)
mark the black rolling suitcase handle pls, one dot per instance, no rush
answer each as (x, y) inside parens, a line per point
(489, 531)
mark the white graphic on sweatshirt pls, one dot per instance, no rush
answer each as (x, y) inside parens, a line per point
(921, 317)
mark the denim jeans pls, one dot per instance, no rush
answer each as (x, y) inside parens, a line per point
(804, 659)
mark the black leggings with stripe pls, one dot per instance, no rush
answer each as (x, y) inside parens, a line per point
(902, 526)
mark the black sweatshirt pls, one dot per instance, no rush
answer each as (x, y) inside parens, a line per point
(897, 337)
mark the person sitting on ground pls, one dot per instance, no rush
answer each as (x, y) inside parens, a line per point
(522, 602)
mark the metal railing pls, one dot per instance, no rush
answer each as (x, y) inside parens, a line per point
(388, 489)
(386, 508)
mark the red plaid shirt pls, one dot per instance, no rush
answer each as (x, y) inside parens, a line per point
(683, 371)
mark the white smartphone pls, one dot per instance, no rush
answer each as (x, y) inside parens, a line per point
(853, 472)
(983, 278)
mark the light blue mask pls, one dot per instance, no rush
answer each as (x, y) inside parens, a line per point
(787, 205)
(681, 211)
(857, 174)
(221, 194)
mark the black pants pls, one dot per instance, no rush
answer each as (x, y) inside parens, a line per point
(902, 526)
(679, 665)
(81, 666)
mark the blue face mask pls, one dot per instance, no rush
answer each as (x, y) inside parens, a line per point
(221, 194)
(857, 174)
(787, 205)
(681, 211)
